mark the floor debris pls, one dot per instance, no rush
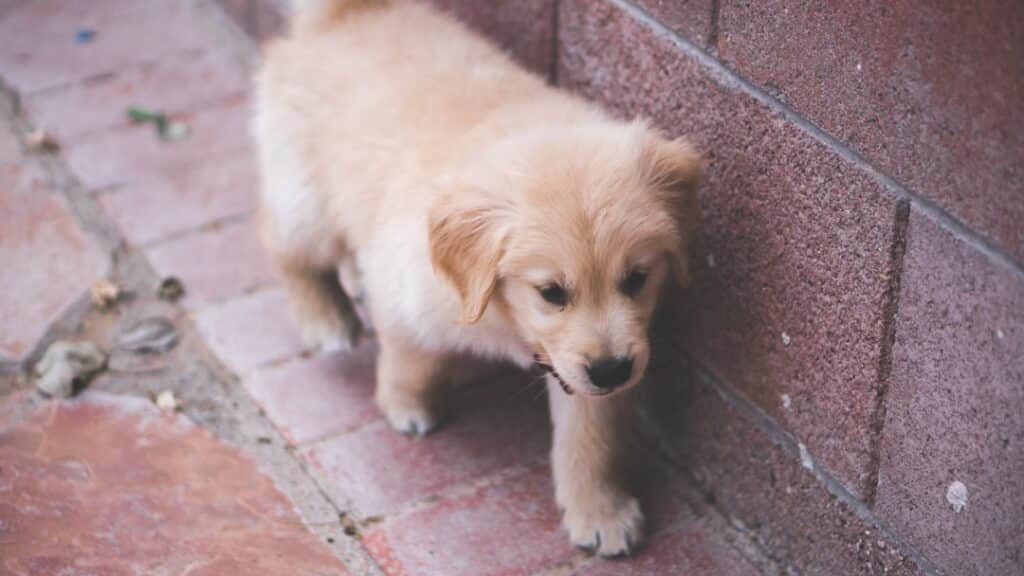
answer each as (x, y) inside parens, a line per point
(151, 335)
(42, 141)
(956, 495)
(85, 35)
(104, 293)
(67, 365)
(170, 289)
(166, 128)
(166, 400)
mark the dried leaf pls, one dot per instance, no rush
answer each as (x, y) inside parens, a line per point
(148, 336)
(41, 140)
(104, 293)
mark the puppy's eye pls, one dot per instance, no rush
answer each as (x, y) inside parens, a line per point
(554, 294)
(634, 282)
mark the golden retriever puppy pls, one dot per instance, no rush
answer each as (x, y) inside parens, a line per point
(485, 213)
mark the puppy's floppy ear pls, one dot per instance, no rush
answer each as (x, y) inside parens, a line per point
(467, 240)
(675, 169)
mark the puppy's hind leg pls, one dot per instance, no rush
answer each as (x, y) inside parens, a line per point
(325, 313)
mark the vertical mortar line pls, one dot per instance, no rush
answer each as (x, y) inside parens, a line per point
(890, 312)
(556, 6)
(713, 33)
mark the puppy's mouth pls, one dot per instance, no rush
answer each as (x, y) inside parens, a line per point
(541, 361)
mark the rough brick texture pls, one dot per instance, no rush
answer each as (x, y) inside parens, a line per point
(928, 91)
(799, 239)
(765, 489)
(186, 201)
(250, 331)
(148, 493)
(310, 398)
(492, 427)
(216, 264)
(137, 154)
(693, 19)
(956, 407)
(457, 536)
(176, 84)
(38, 47)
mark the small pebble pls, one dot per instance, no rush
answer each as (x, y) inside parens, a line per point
(787, 402)
(66, 364)
(786, 340)
(167, 401)
(170, 289)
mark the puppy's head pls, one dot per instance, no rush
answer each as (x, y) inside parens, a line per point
(572, 233)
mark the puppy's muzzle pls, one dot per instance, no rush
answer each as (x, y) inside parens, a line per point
(608, 374)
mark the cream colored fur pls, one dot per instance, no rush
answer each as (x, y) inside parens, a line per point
(396, 143)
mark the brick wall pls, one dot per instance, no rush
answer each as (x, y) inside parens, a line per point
(855, 339)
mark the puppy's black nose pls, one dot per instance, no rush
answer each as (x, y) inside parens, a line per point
(610, 373)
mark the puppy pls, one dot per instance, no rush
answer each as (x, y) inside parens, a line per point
(485, 213)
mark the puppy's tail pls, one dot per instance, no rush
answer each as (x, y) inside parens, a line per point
(312, 15)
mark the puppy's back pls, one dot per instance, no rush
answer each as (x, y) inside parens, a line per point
(374, 96)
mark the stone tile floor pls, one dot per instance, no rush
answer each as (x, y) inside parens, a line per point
(276, 462)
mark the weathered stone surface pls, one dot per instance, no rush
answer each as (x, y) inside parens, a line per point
(956, 407)
(110, 485)
(928, 91)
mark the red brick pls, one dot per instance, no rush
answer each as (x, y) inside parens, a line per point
(48, 261)
(762, 487)
(800, 238)
(148, 493)
(137, 154)
(956, 407)
(901, 83)
(311, 398)
(694, 549)
(691, 19)
(38, 48)
(509, 528)
(185, 201)
(250, 331)
(175, 84)
(216, 264)
(380, 471)
(525, 29)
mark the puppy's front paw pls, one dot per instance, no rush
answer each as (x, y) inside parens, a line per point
(408, 414)
(412, 421)
(612, 525)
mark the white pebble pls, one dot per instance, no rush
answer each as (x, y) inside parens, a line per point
(786, 339)
(805, 457)
(167, 401)
(787, 402)
(956, 495)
